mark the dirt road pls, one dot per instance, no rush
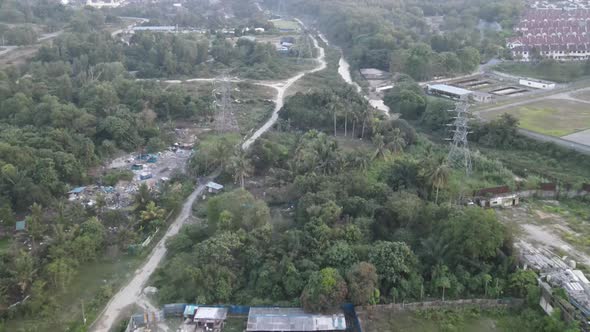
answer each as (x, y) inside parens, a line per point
(130, 294)
(281, 89)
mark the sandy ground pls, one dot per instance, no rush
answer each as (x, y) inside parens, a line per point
(541, 229)
(581, 137)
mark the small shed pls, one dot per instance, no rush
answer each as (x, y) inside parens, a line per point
(210, 318)
(20, 226)
(214, 188)
(145, 176)
(500, 201)
(189, 310)
(76, 192)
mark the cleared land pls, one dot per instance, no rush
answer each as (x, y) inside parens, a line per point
(562, 226)
(551, 117)
(461, 321)
(285, 24)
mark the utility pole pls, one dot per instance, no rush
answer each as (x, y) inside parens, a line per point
(83, 313)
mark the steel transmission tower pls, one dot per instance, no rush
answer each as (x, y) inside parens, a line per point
(225, 119)
(459, 156)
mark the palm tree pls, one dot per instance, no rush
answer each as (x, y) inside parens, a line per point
(36, 226)
(379, 145)
(24, 270)
(367, 116)
(240, 166)
(439, 175)
(152, 211)
(142, 197)
(398, 142)
(335, 110)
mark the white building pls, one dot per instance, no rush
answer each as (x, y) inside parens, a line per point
(104, 3)
(536, 84)
(449, 91)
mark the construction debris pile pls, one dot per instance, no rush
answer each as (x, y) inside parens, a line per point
(558, 273)
(150, 169)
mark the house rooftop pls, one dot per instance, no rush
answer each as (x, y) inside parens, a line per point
(77, 190)
(214, 185)
(449, 89)
(20, 225)
(210, 313)
(293, 320)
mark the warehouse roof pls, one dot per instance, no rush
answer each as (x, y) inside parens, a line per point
(293, 320)
(449, 89)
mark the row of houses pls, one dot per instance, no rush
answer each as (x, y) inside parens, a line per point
(552, 33)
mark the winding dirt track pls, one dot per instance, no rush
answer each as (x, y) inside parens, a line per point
(131, 293)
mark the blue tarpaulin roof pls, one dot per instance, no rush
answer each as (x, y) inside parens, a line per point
(189, 310)
(77, 190)
(21, 225)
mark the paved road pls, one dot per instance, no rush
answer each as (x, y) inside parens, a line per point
(130, 294)
(581, 148)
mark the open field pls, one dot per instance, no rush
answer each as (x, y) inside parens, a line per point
(550, 117)
(285, 24)
(563, 72)
(93, 285)
(561, 226)
(438, 321)
(251, 104)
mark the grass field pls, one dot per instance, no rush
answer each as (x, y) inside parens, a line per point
(564, 72)
(441, 321)
(550, 117)
(252, 104)
(285, 24)
(93, 285)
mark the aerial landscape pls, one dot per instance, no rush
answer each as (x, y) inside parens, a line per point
(294, 165)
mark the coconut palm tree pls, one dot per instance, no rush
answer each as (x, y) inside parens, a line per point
(439, 175)
(379, 146)
(398, 142)
(240, 166)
